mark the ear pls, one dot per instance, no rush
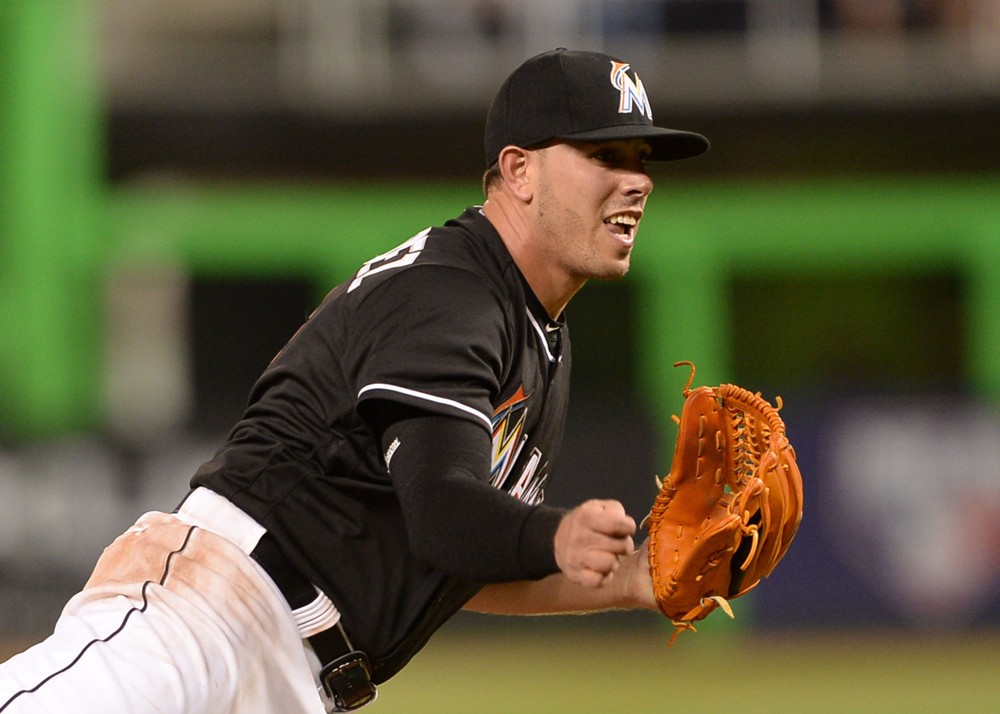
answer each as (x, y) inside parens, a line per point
(513, 163)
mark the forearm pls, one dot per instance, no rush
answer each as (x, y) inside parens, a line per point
(461, 525)
(630, 588)
(456, 521)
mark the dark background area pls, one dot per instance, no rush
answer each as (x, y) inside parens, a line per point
(925, 138)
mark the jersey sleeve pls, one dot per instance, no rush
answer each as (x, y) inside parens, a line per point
(458, 523)
(432, 337)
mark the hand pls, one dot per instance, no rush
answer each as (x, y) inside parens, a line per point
(591, 541)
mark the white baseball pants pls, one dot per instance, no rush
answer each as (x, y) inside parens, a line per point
(175, 619)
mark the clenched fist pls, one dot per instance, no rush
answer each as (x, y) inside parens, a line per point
(592, 539)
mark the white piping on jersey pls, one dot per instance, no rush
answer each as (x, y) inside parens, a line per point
(541, 337)
(430, 398)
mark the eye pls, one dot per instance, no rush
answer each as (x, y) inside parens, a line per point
(606, 155)
(615, 155)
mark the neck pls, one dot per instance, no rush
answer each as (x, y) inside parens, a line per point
(553, 288)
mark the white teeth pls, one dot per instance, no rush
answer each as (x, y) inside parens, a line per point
(623, 220)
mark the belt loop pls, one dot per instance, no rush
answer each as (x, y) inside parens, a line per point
(345, 673)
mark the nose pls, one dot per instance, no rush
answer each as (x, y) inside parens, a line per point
(637, 183)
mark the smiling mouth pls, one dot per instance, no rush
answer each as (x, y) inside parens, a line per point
(622, 224)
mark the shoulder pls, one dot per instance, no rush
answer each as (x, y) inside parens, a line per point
(428, 290)
(464, 258)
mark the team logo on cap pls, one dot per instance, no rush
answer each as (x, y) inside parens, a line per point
(633, 94)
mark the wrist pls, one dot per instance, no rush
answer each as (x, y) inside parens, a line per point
(536, 547)
(636, 585)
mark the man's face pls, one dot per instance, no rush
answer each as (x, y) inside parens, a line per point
(590, 198)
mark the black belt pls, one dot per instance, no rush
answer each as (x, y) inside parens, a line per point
(346, 673)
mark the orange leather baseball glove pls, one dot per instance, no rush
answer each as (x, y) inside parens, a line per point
(730, 506)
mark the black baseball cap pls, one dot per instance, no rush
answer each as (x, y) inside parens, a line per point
(584, 96)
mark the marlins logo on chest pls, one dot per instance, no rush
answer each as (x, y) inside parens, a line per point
(509, 438)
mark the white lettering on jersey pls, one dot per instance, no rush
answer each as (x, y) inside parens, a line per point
(402, 255)
(528, 488)
(390, 451)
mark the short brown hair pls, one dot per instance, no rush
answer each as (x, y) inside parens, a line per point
(492, 178)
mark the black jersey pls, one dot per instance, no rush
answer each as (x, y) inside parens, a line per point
(446, 323)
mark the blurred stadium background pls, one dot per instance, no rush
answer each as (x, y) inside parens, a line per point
(182, 180)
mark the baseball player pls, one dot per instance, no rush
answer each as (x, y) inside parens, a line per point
(391, 465)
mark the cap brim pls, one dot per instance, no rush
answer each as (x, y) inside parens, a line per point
(667, 144)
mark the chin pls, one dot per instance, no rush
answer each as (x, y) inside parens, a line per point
(612, 272)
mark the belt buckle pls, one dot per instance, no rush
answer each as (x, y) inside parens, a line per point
(347, 681)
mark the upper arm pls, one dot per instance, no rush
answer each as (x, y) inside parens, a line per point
(433, 338)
